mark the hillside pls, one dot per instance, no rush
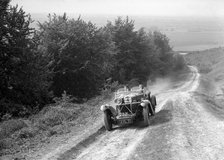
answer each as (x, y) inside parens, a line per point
(211, 66)
(49, 76)
(185, 34)
(210, 63)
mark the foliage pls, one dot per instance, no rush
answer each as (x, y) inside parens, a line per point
(11, 126)
(81, 55)
(140, 54)
(64, 100)
(179, 62)
(54, 116)
(73, 58)
(68, 58)
(24, 78)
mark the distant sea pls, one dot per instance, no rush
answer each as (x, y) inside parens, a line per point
(184, 33)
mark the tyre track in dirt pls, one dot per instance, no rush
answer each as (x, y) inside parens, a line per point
(122, 141)
(191, 132)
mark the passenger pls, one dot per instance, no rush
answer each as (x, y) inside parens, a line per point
(126, 88)
(141, 88)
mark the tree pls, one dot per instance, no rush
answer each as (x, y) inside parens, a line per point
(81, 55)
(164, 52)
(139, 53)
(73, 56)
(23, 73)
(124, 37)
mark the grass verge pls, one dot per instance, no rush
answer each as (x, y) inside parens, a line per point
(20, 137)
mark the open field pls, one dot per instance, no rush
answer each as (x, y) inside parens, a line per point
(195, 41)
(185, 33)
(211, 89)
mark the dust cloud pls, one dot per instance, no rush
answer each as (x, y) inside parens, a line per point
(159, 85)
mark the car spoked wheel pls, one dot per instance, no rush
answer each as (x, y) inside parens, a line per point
(151, 110)
(146, 115)
(153, 102)
(107, 120)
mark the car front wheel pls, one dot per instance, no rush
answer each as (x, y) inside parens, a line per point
(107, 120)
(151, 110)
(146, 115)
(153, 102)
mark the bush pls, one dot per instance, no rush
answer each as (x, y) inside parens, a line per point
(179, 62)
(6, 143)
(27, 132)
(53, 116)
(61, 129)
(65, 99)
(7, 128)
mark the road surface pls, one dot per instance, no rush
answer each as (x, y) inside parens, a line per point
(181, 129)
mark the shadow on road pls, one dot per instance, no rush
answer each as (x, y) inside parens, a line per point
(74, 151)
(161, 117)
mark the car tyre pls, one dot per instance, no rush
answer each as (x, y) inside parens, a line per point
(146, 115)
(151, 110)
(153, 102)
(107, 120)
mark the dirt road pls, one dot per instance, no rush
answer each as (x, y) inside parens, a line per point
(181, 129)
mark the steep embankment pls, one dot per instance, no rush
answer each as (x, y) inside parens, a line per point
(211, 89)
(211, 65)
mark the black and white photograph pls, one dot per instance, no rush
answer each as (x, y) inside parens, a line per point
(111, 80)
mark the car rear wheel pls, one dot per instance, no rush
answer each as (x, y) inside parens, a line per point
(146, 115)
(153, 102)
(151, 110)
(107, 120)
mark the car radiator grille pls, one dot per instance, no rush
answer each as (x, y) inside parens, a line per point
(128, 108)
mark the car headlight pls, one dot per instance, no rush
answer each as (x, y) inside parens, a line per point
(143, 104)
(102, 107)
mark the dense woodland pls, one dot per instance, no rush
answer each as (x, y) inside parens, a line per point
(72, 55)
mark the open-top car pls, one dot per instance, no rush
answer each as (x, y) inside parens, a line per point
(130, 106)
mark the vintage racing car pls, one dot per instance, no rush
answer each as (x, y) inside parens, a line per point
(130, 106)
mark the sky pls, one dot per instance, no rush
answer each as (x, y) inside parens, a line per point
(206, 8)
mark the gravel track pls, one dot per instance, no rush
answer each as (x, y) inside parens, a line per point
(181, 129)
